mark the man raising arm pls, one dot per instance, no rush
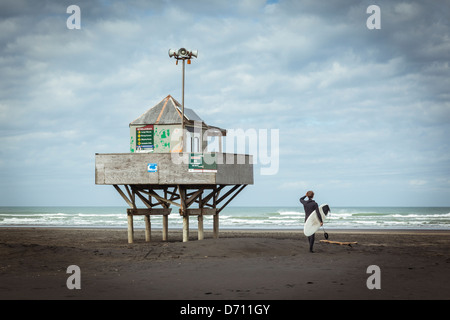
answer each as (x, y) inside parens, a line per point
(310, 205)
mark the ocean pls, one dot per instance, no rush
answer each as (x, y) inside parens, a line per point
(233, 218)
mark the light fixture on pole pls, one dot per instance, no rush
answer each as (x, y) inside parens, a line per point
(183, 54)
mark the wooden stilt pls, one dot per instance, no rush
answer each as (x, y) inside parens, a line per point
(148, 228)
(200, 216)
(185, 227)
(217, 190)
(184, 213)
(165, 230)
(200, 227)
(216, 226)
(130, 228)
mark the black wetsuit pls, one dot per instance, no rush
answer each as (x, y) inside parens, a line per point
(309, 207)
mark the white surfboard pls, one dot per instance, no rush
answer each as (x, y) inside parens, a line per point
(312, 224)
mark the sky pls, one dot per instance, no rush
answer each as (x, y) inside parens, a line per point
(362, 115)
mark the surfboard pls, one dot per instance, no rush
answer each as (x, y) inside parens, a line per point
(312, 224)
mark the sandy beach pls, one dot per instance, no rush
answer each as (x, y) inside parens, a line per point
(251, 265)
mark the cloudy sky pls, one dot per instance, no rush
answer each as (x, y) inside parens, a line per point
(363, 115)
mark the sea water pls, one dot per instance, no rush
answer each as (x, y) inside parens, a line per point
(233, 218)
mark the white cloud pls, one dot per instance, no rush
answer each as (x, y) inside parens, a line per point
(298, 185)
(417, 183)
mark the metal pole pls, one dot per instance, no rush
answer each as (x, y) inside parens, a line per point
(182, 116)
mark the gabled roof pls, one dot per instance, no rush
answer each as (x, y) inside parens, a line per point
(167, 111)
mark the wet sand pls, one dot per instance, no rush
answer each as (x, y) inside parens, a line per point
(255, 265)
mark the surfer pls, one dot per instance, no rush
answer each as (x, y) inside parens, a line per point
(310, 205)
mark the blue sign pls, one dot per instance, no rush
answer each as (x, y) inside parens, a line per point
(152, 167)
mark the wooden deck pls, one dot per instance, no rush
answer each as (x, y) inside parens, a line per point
(172, 169)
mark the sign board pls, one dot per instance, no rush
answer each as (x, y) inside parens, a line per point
(152, 167)
(144, 138)
(199, 162)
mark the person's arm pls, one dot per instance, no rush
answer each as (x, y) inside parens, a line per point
(302, 200)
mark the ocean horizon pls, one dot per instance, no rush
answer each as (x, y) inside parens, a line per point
(274, 217)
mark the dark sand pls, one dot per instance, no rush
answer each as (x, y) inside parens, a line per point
(239, 265)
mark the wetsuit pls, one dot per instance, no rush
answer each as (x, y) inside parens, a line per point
(309, 206)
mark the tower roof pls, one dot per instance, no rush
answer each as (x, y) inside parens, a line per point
(167, 111)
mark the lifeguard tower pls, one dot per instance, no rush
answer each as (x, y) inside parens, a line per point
(157, 175)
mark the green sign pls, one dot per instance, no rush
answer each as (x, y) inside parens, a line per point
(144, 138)
(199, 162)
